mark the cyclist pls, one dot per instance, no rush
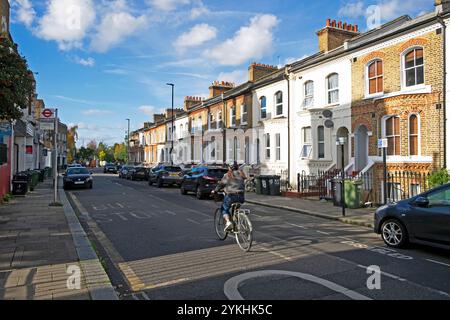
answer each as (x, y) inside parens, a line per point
(233, 183)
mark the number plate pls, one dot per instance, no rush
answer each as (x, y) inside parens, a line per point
(79, 182)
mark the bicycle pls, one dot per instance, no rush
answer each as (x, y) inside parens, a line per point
(250, 184)
(242, 226)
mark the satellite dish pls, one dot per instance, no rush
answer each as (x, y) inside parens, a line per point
(328, 114)
(329, 124)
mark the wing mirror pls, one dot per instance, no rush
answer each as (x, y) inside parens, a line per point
(422, 202)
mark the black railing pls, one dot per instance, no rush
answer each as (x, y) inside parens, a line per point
(403, 185)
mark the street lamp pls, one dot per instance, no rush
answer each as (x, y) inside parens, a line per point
(128, 142)
(173, 117)
(341, 141)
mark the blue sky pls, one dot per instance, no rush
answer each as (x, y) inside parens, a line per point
(102, 61)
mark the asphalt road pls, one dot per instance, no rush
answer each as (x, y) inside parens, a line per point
(158, 244)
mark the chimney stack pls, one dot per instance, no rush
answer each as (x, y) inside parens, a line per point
(335, 34)
(442, 5)
(190, 102)
(257, 71)
(219, 87)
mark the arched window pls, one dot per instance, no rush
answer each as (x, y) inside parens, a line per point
(375, 77)
(413, 135)
(263, 102)
(392, 133)
(279, 103)
(414, 67)
(333, 88)
(309, 94)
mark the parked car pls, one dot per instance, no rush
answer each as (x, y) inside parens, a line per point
(110, 168)
(124, 171)
(422, 219)
(165, 175)
(74, 165)
(202, 180)
(129, 172)
(78, 177)
(138, 173)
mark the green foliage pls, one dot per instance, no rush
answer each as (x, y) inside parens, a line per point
(438, 178)
(16, 82)
(7, 197)
(120, 152)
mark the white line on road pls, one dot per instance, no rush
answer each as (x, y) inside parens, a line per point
(192, 221)
(386, 274)
(171, 213)
(438, 262)
(325, 233)
(296, 225)
(120, 205)
(146, 297)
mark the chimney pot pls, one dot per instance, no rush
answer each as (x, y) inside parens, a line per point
(333, 24)
(328, 22)
(345, 26)
(356, 28)
(340, 24)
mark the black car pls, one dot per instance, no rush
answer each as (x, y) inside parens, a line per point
(138, 173)
(110, 168)
(202, 180)
(165, 175)
(422, 219)
(77, 177)
(124, 171)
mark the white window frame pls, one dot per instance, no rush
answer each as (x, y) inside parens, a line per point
(321, 142)
(265, 107)
(267, 152)
(367, 79)
(279, 104)
(308, 96)
(403, 68)
(244, 107)
(306, 145)
(419, 136)
(219, 119)
(233, 120)
(336, 89)
(278, 147)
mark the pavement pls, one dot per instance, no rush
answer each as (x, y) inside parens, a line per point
(158, 244)
(45, 254)
(317, 208)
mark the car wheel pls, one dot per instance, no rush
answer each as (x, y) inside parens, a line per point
(183, 190)
(394, 233)
(159, 183)
(150, 183)
(199, 193)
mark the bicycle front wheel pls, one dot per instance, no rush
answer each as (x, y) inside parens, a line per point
(244, 232)
(219, 225)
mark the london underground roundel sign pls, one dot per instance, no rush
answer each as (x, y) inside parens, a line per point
(47, 114)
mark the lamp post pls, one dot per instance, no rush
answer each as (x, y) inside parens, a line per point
(128, 142)
(173, 118)
(341, 142)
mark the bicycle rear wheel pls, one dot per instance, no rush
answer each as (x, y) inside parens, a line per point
(244, 234)
(219, 225)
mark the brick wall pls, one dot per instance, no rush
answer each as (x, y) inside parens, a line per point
(370, 112)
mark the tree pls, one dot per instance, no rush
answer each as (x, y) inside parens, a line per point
(92, 145)
(16, 82)
(120, 152)
(72, 137)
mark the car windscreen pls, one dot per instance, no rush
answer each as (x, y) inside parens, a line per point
(172, 169)
(217, 173)
(77, 171)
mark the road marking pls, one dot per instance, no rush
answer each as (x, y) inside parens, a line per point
(120, 205)
(325, 233)
(231, 288)
(385, 273)
(298, 226)
(195, 222)
(146, 297)
(438, 262)
(120, 215)
(279, 255)
(171, 213)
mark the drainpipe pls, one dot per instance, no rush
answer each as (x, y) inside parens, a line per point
(286, 76)
(224, 131)
(11, 158)
(444, 45)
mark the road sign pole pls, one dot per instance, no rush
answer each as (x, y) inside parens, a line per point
(385, 175)
(55, 150)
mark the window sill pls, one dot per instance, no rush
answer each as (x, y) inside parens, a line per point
(405, 90)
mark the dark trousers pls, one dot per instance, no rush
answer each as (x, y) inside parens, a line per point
(229, 200)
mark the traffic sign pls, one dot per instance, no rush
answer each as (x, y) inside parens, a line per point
(48, 114)
(382, 143)
(47, 125)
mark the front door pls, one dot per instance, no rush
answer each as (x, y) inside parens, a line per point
(361, 148)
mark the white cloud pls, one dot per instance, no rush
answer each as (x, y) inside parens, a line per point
(96, 112)
(198, 10)
(115, 26)
(352, 10)
(66, 22)
(236, 76)
(88, 62)
(250, 42)
(195, 37)
(167, 5)
(24, 12)
(149, 110)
